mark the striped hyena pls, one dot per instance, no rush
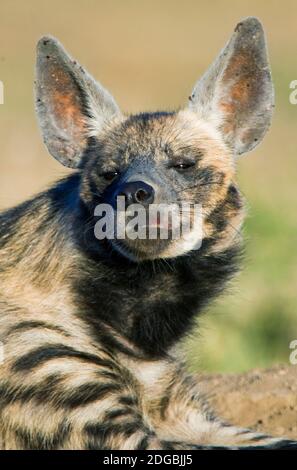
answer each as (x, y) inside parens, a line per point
(90, 327)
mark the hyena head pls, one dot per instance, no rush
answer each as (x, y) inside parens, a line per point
(184, 159)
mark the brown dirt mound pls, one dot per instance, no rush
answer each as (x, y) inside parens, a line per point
(265, 400)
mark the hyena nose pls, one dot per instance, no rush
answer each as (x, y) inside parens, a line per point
(137, 192)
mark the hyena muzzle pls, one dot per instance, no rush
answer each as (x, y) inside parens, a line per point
(90, 327)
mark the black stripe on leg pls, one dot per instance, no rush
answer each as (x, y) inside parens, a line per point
(118, 413)
(106, 429)
(38, 440)
(88, 393)
(50, 390)
(144, 442)
(128, 400)
(108, 374)
(32, 324)
(98, 434)
(112, 343)
(165, 401)
(42, 392)
(45, 353)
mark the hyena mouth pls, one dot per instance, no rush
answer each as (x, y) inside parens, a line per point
(148, 232)
(140, 250)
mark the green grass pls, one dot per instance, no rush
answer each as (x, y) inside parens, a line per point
(255, 322)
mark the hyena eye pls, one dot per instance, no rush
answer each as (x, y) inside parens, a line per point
(181, 166)
(110, 175)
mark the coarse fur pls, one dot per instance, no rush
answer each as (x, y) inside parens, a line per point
(91, 327)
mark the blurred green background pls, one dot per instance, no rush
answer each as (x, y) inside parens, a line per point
(149, 54)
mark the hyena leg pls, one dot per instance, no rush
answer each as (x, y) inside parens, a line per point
(183, 414)
(57, 392)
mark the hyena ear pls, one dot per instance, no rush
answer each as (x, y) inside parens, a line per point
(71, 106)
(236, 93)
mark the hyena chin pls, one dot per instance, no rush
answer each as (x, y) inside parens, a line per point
(90, 326)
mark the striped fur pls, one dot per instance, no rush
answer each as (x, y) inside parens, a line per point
(91, 328)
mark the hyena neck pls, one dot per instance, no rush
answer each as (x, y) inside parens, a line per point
(150, 305)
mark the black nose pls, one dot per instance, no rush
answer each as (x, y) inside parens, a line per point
(137, 192)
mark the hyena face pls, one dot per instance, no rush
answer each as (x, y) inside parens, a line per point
(184, 158)
(161, 160)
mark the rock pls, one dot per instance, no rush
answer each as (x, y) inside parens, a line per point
(265, 400)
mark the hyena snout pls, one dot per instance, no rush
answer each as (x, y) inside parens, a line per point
(136, 192)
